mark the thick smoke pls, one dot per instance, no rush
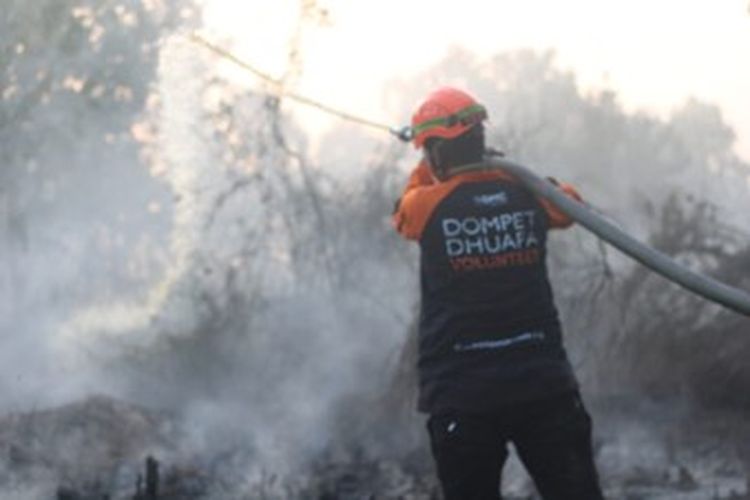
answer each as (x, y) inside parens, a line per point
(194, 257)
(185, 259)
(79, 214)
(271, 310)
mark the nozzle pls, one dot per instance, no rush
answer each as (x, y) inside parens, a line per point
(405, 133)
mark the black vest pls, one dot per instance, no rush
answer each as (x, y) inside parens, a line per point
(489, 330)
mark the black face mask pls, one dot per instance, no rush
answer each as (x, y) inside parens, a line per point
(445, 154)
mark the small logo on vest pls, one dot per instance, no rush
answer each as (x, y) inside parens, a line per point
(491, 200)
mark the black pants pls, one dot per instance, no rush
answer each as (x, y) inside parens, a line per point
(552, 438)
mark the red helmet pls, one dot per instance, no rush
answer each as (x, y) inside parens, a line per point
(447, 112)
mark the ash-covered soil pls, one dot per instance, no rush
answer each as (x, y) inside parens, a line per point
(96, 449)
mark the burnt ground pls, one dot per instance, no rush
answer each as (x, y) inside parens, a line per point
(97, 448)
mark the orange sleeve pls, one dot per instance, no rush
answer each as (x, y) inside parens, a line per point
(419, 199)
(420, 176)
(558, 219)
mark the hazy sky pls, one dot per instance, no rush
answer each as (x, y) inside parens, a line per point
(655, 54)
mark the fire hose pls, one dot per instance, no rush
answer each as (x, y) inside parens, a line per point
(707, 287)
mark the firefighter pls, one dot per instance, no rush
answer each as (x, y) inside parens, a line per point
(492, 366)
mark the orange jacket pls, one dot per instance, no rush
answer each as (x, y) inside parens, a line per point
(423, 193)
